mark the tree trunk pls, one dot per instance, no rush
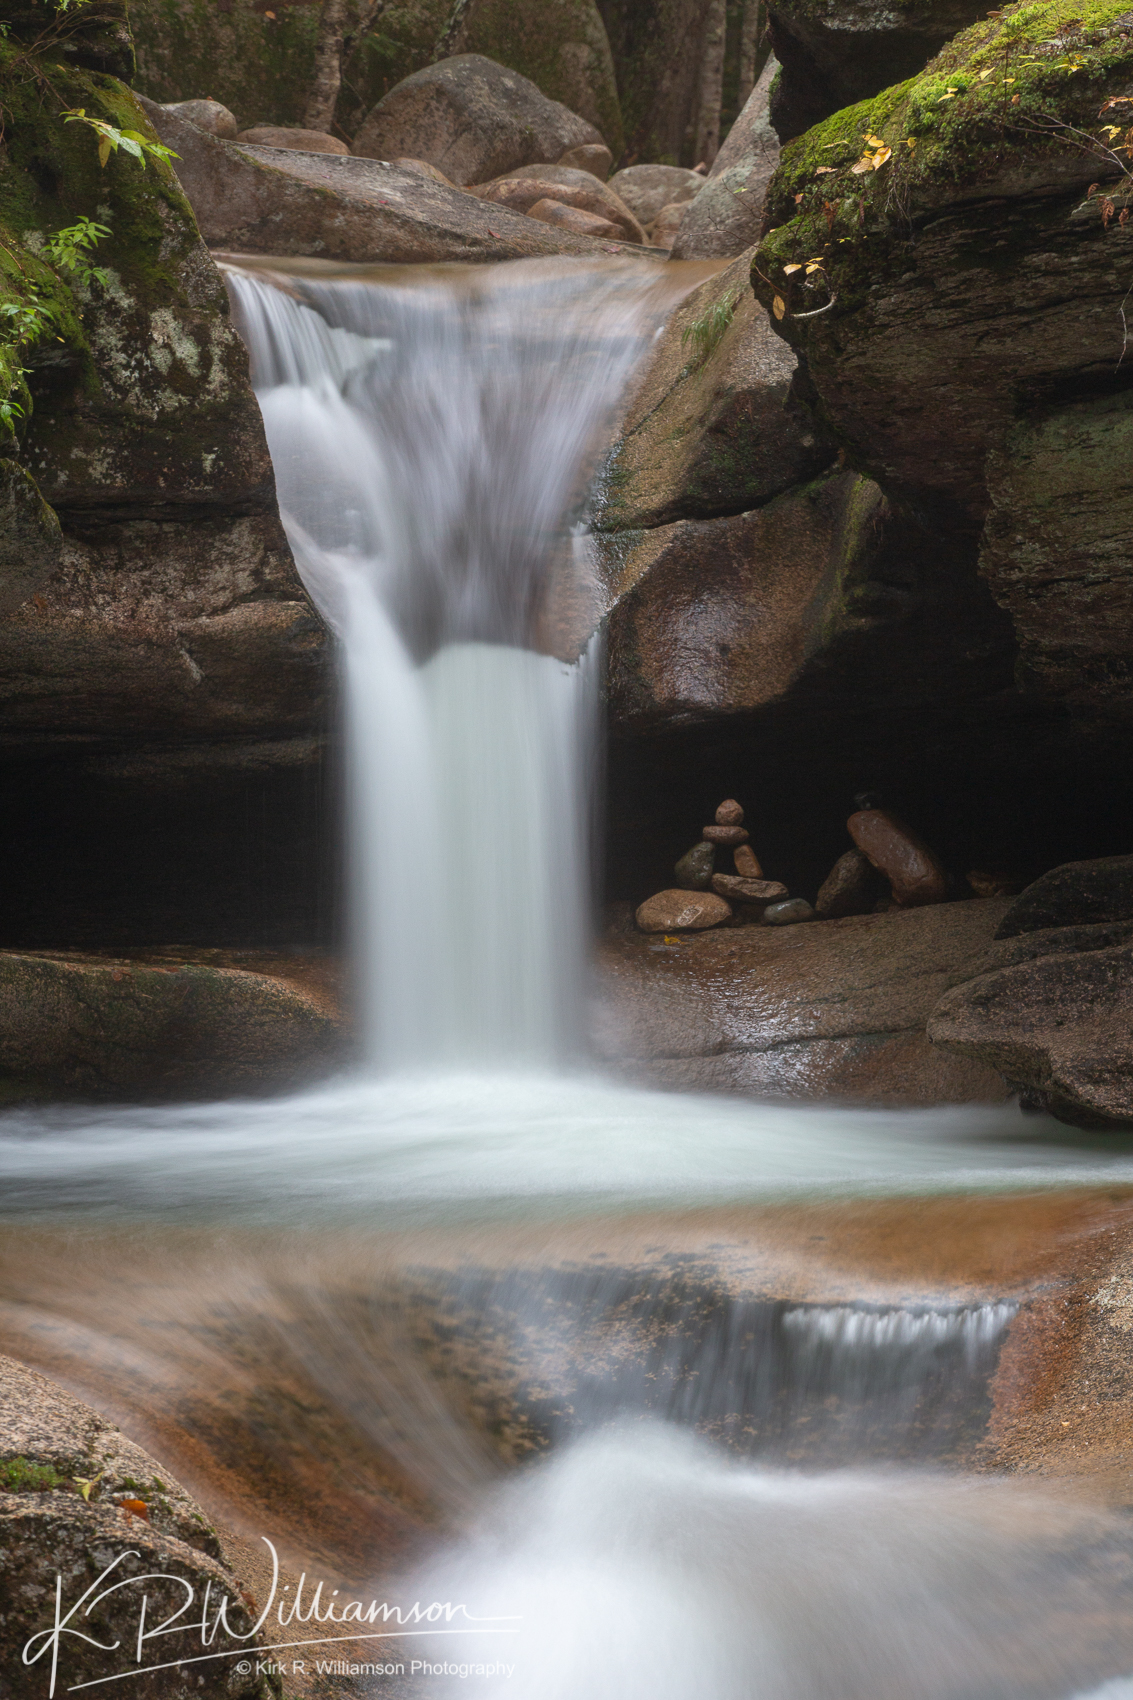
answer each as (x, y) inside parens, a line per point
(711, 84)
(448, 42)
(750, 31)
(321, 101)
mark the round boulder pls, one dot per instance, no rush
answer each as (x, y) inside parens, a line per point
(645, 189)
(471, 118)
(303, 141)
(207, 115)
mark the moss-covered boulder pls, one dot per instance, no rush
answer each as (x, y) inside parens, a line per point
(833, 53)
(173, 606)
(952, 259)
(94, 34)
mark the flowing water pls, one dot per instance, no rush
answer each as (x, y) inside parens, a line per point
(676, 1442)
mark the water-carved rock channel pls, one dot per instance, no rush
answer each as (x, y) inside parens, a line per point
(663, 1394)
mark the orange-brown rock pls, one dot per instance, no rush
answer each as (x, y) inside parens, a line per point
(422, 168)
(991, 885)
(748, 890)
(726, 835)
(303, 141)
(729, 813)
(678, 911)
(594, 157)
(747, 863)
(914, 874)
(572, 218)
(520, 189)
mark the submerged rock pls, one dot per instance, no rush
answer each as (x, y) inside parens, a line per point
(678, 911)
(473, 119)
(695, 868)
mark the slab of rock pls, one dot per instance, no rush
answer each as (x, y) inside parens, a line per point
(679, 911)
(1051, 1013)
(739, 889)
(281, 136)
(1077, 893)
(161, 1024)
(560, 182)
(423, 169)
(833, 1011)
(714, 425)
(645, 189)
(594, 157)
(915, 875)
(277, 201)
(695, 868)
(207, 115)
(724, 219)
(726, 835)
(850, 888)
(473, 119)
(138, 1520)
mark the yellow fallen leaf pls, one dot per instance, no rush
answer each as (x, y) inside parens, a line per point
(1111, 130)
(910, 141)
(881, 156)
(778, 306)
(824, 170)
(984, 75)
(1008, 79)
(874, 141)
(863, 164)
(815, 267)
(790, 269)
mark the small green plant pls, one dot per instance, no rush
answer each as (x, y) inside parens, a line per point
(706, 333)
(68, 250)
(24, 323)
(110, 138)
(18, 1476)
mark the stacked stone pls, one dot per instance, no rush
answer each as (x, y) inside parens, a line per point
(707, 899)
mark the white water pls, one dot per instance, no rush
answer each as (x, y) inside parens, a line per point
(431, 440)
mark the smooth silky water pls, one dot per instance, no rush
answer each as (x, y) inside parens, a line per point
(693, 1446)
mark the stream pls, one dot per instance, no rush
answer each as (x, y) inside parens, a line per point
(683, 1396)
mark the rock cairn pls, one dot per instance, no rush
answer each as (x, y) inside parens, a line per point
(705, 898)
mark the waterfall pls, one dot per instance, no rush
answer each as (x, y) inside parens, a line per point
(433, 441)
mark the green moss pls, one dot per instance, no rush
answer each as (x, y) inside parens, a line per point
(18, 1476)
(1006, 92)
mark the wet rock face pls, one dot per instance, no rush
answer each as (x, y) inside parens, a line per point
(1051, 1013)
(915, 876)
(1018, 276)
(473, 119)
(834, 56)
(831, 1009)
(137, 1518)
(31, 542)
(714, 426)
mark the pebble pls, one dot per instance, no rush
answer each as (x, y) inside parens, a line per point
(734, 887)
(850, 888)
(729, 813)
(729, 836)
(786, 914)
(695, 869)
(914, 874)
(674, 911)
(747, 863)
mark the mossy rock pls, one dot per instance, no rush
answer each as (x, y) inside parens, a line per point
(94, 34)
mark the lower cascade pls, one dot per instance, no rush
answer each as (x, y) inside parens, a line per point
(664, 1395)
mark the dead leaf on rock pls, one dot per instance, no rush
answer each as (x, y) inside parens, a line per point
(778, 307)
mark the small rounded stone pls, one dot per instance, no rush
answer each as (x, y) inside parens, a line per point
(729, 813)
(747, 863)
(695, 869)
(677, 911)
(786, 914)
